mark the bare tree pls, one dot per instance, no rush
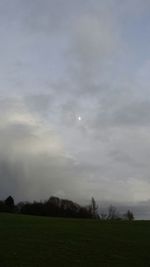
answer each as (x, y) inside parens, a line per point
(112, 213)
(94, 208)
(103, 216)
(129, 216)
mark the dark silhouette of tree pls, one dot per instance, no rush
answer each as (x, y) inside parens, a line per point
(35, 208)
(84, 212)
(112, 213)
(103, 216)
(94, 208)
(57, 207)
(9, 203)
(52, 206)
(3, 207)
(129, 216)
(19, 206)
(70, 208)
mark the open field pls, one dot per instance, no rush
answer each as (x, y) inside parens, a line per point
(41, 242)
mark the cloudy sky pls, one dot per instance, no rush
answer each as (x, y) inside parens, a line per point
(75, 100)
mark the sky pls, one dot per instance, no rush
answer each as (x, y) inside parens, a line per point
(75, 100)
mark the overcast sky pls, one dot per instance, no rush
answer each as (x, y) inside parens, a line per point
(75, 100)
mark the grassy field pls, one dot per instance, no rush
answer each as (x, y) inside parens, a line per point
(43, 242)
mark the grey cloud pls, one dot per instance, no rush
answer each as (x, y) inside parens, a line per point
(134, 7)
(61, 60)
(128, 159)
(33, 162)
(40, 161)
(134, 114)
(124, 114)
(39, 103)
(10, 174)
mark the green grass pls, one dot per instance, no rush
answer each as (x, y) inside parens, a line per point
(43, 242)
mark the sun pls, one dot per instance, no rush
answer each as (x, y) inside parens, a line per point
(79, 118)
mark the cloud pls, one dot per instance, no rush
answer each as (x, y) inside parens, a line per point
(95, 44)
(27, 148)
(134, 7)
(65, 59)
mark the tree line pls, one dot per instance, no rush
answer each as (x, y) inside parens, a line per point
(57, 207)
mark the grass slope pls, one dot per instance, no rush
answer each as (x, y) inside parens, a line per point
(43, 242)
